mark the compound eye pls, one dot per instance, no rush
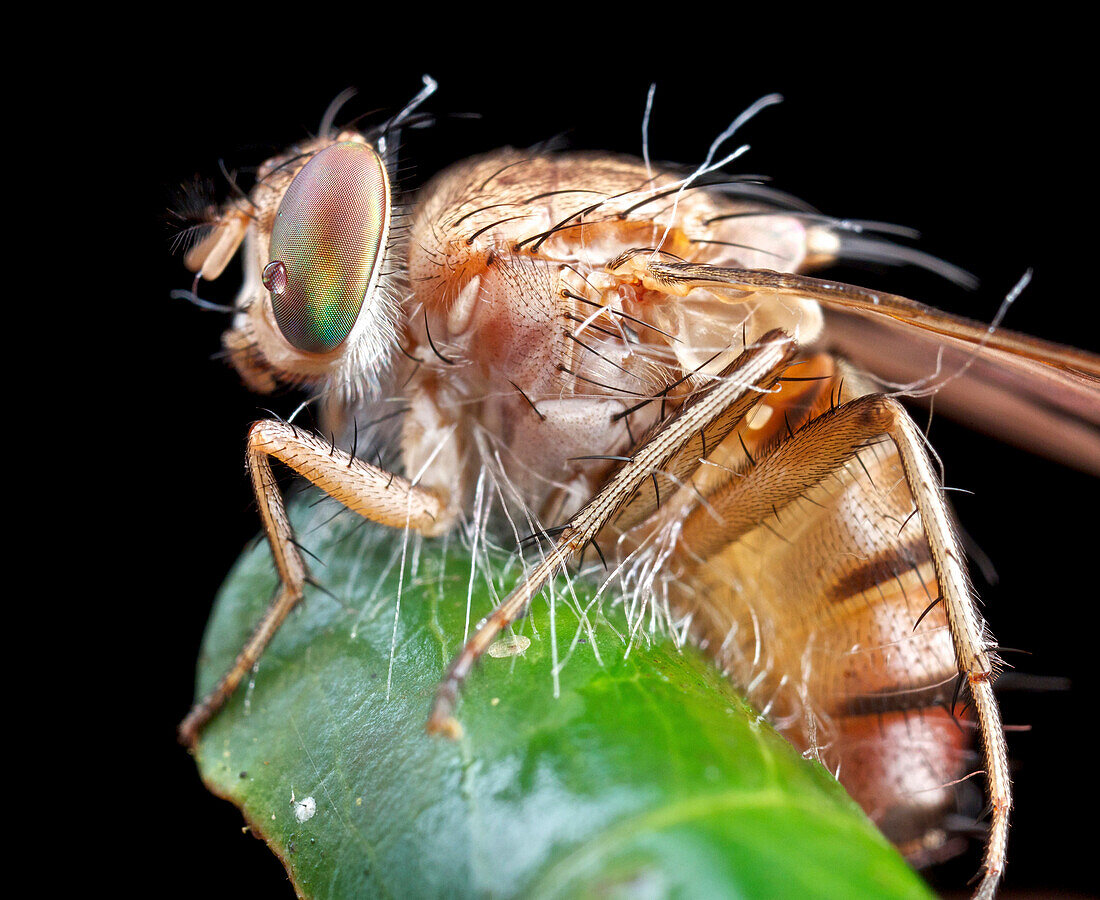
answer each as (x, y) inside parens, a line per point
(326, 244)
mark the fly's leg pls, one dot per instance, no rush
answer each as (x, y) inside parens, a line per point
(973, 642)
(689, 435)
(371, 492)
(809, 457)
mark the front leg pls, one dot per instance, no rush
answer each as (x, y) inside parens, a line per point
(372, 492)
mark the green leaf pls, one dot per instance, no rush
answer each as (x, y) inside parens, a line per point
(635, 773)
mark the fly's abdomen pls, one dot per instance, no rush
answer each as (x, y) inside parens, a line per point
(822, 604)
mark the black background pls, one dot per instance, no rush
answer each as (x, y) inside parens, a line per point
(970, 140)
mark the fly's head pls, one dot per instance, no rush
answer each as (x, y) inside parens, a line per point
(315, 308)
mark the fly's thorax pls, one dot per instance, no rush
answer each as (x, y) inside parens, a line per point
(587, 208)
(497, 239)
(542, 344)
(529, 389)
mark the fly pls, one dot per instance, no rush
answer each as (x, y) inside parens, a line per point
(640, 353)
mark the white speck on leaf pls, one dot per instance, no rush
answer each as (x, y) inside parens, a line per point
(305, 809)
(509, 646)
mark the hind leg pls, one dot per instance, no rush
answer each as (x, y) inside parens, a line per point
(828, 551)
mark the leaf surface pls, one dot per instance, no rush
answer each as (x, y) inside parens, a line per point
(584, 769)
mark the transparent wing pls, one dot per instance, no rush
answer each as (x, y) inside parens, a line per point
(1034, 393)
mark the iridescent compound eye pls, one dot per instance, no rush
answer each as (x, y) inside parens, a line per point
(325, 245)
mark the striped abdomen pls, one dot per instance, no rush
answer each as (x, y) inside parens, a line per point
(821, 602)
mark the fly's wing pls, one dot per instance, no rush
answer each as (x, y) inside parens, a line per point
(1033, 393)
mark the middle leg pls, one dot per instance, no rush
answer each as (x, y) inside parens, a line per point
(669, 455)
